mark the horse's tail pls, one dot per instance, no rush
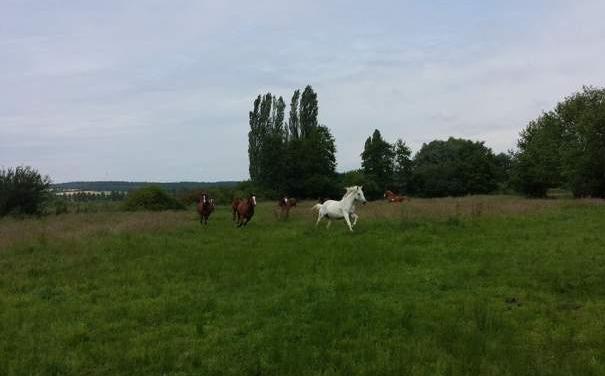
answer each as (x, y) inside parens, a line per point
(316, 207)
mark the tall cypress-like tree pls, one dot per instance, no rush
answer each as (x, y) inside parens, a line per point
(377, 161)
(309, 111)
(402, 176)
(293, 122)
(274, 149)
(258, 137)
(299, 159)
(254, 141)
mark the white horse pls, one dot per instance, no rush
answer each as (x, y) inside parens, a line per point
(344, 208)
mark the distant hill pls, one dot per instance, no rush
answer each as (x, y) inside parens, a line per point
(131, 185)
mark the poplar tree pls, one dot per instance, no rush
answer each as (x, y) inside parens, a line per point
(402, 176)
(254, 141)
(298, 158)
(377, 161)
(293, 122)
(309, 111)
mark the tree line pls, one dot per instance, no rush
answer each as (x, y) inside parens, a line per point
(454, 167)
(563, 148)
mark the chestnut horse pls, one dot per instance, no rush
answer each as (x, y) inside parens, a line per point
(205, 207)
(234, 206)
(245, 210)
(284, 205)
(392, 197)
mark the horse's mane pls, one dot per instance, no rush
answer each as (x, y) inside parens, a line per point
(350, 191)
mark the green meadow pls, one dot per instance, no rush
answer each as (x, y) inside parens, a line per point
(471, 286)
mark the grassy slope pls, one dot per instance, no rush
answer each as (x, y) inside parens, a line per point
(491, 295)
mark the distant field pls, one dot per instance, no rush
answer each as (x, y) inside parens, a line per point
(491, 285)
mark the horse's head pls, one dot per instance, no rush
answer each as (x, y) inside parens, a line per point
(357, 192)
(203, 198)
(252, 199)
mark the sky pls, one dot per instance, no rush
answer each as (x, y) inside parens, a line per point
(161, 90)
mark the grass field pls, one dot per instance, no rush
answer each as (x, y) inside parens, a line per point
(471, 286)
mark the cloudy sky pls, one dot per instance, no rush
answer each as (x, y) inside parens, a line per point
(160, 90)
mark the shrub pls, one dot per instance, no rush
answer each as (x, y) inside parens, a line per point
(23, 191)
(455, 167)
(60, 206)
(221, 195)
(151, 198)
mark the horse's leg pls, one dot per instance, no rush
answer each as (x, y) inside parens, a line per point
(319, 216)
(355, 217)
(346, 215)
(329, 223)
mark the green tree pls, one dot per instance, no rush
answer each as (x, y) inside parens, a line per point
(357, 177)
(537, 163)
(402, 177)
(23, 191)
(309, 111)
(453, 168)
(266, 141)
(504, 162)
(293, 121)
(377, 162)
(297, 159)
(255, 141)
(564, 147)
(582, 122)
(151, 198)
(273, 151)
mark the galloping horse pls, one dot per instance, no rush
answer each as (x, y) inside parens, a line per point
(285, 204)
(392, 197)
(205, 207)
(234, 205)
(344, 208)
(245, 210)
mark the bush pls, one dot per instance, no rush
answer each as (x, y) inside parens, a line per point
(60, 207)
(455, 167)
(23, 191)
(221, 195)
(151, 198)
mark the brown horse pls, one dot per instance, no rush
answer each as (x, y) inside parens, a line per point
(245, 210)
(205, 207)
(392, 197)
(284, 205)
(234, 205)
